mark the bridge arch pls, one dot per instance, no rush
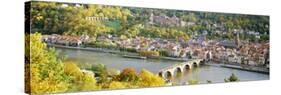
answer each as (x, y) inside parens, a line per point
(202, 61)
(187, 67)
(168, 75)
(178, 71)
(195, 64)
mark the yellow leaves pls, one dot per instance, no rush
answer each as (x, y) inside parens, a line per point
(123, 37)
(82, 80)
(88, 82)
(117, 85)
(72, 69)
(148, 79)
(149, 53)
(34, 73)
(128, 75)
(39, 18)
(37, 49)
(144, 79)
(48, 74)
(48, 86)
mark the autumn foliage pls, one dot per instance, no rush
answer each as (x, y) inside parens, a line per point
(128, 75)
(149, 53)
(148, 79)
(48, 74)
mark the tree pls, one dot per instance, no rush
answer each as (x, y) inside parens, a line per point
(149, 53)
(117, 85)
(48, 74)
(133, 31)
(232, 78)
(50, 18)
(46, 70)
(128, 75)
(87, 82)
(148, 79)
(100, 71)
(209, 81)
(81, 81)
(72, 69)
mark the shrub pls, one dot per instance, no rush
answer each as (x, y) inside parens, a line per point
(131, 50)
(87, 82)
(81, 81)
(232, 78)
(100, 71)
(209, 81)
(149, 53)
(72, 69)
(116, 85)
(128, 75)
(148, 79)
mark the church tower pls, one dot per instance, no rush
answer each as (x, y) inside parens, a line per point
(237, 40)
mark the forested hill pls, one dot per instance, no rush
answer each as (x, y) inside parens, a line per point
(93, 20)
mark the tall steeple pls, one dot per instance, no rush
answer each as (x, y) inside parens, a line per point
(237, 40)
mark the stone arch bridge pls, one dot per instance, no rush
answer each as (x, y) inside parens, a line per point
(171, 71)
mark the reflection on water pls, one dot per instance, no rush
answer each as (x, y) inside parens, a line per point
(201, 73)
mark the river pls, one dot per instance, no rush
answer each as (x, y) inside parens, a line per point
(202, 73)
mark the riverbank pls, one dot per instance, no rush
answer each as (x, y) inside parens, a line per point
(241, 67)
(122, 53)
